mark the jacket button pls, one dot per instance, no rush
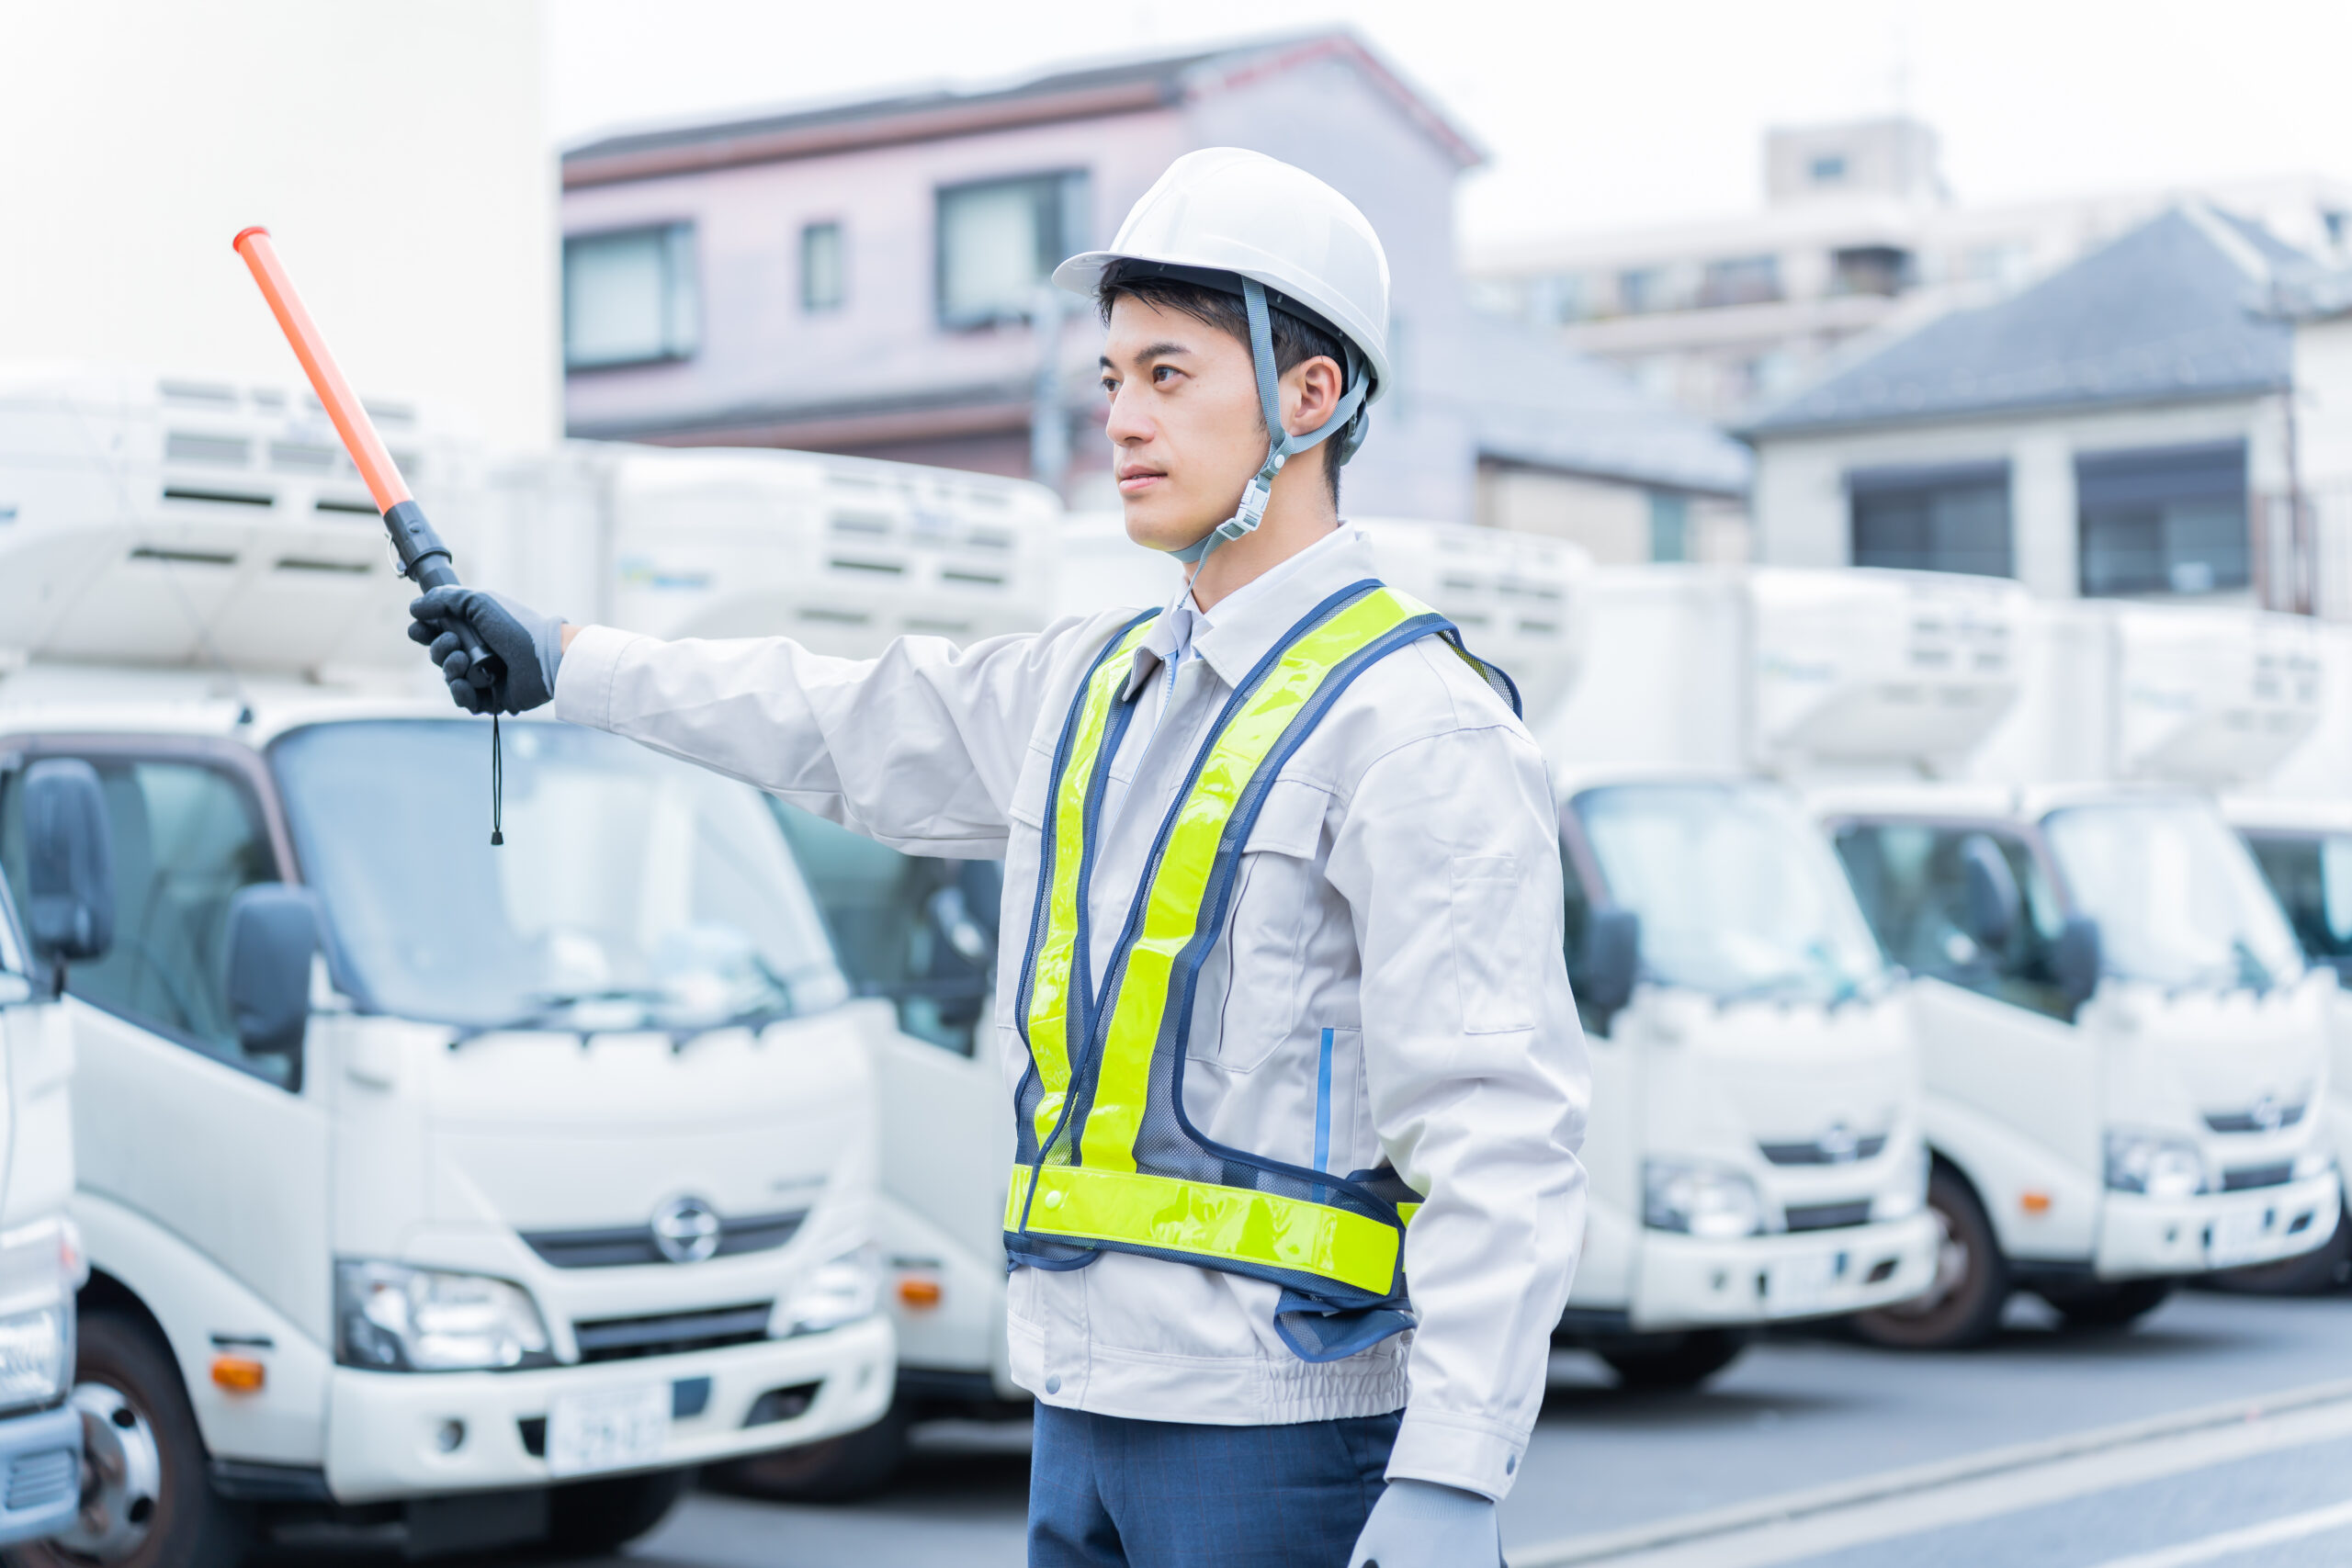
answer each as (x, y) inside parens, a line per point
(1510, 1465)
(1053, 1386)
(1054, 1200)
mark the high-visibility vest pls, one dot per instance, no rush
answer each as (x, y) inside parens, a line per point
(1107, 1157)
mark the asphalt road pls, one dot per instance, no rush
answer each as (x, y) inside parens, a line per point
(2206, 1434)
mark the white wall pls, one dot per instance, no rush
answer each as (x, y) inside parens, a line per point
(394, 148)
(1800, 497)
(2323, 389)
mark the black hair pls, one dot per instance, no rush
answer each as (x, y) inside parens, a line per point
(1297, 338)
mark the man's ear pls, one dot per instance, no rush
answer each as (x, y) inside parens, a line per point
(1311, 390)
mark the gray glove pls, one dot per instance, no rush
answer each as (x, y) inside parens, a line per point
(1419, 1524)
(530, 645)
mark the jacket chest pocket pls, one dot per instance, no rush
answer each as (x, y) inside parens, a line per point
(1277, 899)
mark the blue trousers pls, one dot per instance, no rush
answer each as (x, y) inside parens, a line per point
(1110, 1493)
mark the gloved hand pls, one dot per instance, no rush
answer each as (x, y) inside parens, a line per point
(1419, 1524)
(530, 644)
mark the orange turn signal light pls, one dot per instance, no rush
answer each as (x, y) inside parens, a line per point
(239, 1374)
(2034, 1203)
(917, 1290)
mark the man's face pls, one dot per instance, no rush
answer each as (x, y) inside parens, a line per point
(1184, 426)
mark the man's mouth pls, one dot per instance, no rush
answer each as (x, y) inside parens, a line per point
(1134, 481)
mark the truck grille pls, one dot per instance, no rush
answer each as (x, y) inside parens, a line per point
(628, 1246)
(2261, 1118)
(1830, 1216)
(2253, 1176)
(671, 1333)
(1820, 1154)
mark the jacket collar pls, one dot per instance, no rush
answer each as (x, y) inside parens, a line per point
(1249, 621)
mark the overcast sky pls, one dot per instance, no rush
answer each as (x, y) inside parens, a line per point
(1595, 114)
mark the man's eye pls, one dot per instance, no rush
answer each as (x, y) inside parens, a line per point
(1160, 374)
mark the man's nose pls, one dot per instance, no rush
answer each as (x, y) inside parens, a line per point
(1128, 424)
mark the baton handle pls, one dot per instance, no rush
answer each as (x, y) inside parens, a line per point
(425, 559)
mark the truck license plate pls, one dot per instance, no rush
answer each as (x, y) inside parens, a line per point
(611, 1428)
(1802, 1284)
(2239, 1237)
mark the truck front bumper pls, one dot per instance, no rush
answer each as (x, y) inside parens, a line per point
(1683, 1281)
(40, 1459)
(2139, 1237)
(389, 1435)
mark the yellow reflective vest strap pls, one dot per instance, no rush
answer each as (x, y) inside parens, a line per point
(1174, 896)
(1214, 1223)
(1053, 970)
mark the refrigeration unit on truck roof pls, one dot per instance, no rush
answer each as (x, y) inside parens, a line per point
(165, 520)
(1790, 671)
(1515, 596)
(842, 553)
(2207, 696)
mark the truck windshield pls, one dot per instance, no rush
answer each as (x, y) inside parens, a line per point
(1737, 893)
(633, 891)
(2176, 897)
(2312, 874)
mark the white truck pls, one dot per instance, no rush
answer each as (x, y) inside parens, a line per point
(437, 1196)
(60, 825)
(1756, 1146)
(2297, 820)
(843, 555)
(2125, 1053)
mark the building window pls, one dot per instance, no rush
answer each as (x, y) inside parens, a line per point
(1741, 280)
(1869, 269)
(629, 298)
(823, 278)
(1669, 526)
(2163, 520)
(1000, 240)
(1952, 518)
(1829, 169)
(1641, 289)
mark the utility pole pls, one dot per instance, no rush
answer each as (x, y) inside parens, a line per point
(1049, 420)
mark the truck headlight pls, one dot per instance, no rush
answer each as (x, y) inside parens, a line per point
(1710, 1201)
(41, 1266)
(392, 1318)
(842, 1291)
(2157, 1163)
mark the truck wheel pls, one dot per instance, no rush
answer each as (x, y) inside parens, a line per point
(2106, 1304)
(1961, 1306)
(839, 1470)
(147, 1497)
(1673, 1361)
(592, 1518)
(2326, 1267)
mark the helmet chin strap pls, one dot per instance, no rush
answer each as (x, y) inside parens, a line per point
(1347, 422)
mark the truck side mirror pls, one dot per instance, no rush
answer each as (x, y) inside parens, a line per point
(2074, 958)
(69, 866)
(273, 932)
(1994, 903)
(1610, 959)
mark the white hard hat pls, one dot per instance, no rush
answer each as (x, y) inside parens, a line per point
(1228, 210)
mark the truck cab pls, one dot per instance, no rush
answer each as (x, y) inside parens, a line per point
(435, 1194)
(43, 1416)
(2124, 1049)
(1754, 1147)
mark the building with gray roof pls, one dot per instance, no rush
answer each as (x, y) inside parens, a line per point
(2124, 427)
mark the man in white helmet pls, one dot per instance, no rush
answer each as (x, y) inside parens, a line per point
(1297, 1078)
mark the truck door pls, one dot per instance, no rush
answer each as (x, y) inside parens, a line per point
(171, 1118)
(923, 933)
(1997, 1036)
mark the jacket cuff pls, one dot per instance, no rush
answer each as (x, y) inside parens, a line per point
(583, 681)
(1454, 1450)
